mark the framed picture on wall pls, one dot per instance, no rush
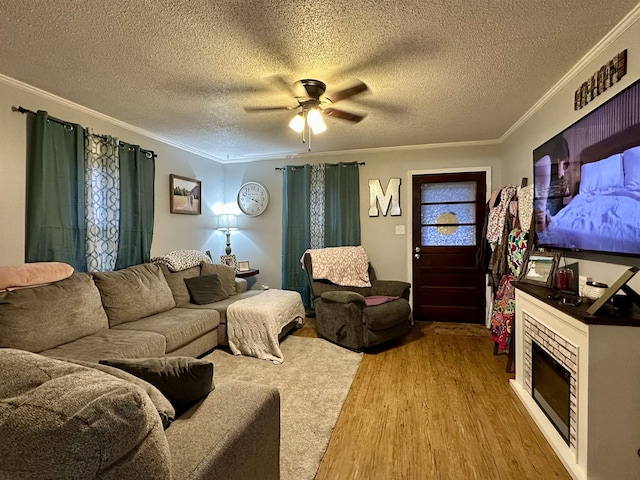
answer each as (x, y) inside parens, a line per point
(184, 195)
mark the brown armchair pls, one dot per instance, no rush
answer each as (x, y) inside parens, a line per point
(343, 317)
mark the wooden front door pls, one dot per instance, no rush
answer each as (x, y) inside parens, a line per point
(448, 214)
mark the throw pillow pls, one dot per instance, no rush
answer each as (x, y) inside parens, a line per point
(206, 289)
(227, 275)
(183, 380)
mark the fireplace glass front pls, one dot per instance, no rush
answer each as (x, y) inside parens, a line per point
(551, 389)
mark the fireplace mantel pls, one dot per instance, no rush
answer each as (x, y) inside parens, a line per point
(606, 386)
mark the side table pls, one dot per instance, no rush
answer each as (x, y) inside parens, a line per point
(248, 273)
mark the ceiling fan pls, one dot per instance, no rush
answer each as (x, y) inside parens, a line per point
(313, 103)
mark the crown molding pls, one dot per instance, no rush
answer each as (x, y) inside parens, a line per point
(631, 18)
(361, 151)
(101, 116)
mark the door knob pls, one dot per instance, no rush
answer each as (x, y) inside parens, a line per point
(417, 250)
(416, 256)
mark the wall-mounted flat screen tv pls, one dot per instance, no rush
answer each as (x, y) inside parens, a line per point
(587, 181)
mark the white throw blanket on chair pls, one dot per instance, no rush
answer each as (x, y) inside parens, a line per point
(347, 266)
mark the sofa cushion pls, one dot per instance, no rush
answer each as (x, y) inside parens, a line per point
(179, 326)
(40, 318)
(68, 421)
(133, 293)
(111, 343)
(387, 315)
(226, 273)
(175, 280)
(206, 289)
(182, 380)
(222, 305)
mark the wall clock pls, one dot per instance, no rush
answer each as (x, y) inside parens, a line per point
(253, 199)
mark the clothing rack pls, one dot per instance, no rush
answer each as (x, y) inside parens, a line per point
(512, 347)
(68, 125)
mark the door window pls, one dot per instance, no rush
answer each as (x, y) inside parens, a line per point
(448, 214)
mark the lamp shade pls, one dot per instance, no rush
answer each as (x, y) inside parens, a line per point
(297, 123)
(316, 122)
(227, 221)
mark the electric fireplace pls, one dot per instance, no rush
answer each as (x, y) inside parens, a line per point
(551, 389)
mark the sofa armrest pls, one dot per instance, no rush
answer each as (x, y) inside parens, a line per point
(391, 288)
(241, 285)
(234, 433)
(343, 297)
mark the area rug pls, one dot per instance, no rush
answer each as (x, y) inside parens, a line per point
(314, 381)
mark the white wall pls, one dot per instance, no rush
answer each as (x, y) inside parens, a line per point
(171, 231)
(557, 114)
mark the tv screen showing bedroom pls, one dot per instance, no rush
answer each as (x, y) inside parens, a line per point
(587, 181)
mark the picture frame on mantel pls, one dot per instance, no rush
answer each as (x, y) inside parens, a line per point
(539, 268)
(185, 195)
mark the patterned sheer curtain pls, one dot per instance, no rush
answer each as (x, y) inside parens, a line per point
(321, 208)
(102, 180)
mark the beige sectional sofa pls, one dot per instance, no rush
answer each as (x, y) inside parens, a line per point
(142, 311)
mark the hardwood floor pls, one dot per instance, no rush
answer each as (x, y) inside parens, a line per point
(436, 404)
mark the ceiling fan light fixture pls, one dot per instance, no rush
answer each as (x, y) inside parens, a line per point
(316, 122)
(297, 123)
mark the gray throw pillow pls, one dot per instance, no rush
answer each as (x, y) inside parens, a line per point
(227, 275)
(182, 380)
(206, 289)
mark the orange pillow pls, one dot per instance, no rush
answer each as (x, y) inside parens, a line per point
(32, 274)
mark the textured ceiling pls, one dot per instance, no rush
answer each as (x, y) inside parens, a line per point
(438, 72)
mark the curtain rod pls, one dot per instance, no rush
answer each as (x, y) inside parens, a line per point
(20, 109)
(282, 168)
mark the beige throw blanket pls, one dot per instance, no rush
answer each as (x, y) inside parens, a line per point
(347, 266)
(254, 323)
(179, 260)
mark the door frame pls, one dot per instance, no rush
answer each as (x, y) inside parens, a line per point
(435, 171)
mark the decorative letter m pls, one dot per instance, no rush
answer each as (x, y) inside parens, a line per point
(377, 196)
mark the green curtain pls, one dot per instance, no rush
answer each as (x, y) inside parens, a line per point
(314, 197)
(342, 205)
(296, 228)
(137, 172)
(55, 217)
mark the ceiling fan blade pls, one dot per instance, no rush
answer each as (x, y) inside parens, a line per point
(281, 84)
(295, 89)
(347, 92)
(267, 109)
(341, 114)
